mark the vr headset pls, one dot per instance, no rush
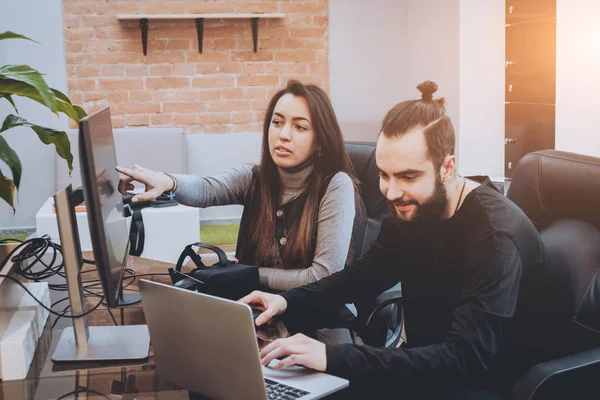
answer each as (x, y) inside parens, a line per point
(226, 279)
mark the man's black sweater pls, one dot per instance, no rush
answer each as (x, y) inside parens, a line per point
(460, 283)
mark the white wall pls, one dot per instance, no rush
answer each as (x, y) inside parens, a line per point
(433, 49)
(42, 21)
(367, 62)
(481, 88)
(577, 79)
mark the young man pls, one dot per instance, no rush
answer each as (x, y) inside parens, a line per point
(458, 246)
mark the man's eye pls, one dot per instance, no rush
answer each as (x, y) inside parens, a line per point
(410, 178)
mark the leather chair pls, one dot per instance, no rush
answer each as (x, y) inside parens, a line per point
(559, 309)
(379, 320)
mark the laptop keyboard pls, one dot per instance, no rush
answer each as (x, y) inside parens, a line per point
(279, 391)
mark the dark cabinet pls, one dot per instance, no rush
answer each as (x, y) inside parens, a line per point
(530, 91)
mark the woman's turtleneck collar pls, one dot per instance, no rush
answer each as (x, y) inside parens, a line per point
(295, 180)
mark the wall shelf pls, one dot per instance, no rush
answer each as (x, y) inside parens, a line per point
(199, 18)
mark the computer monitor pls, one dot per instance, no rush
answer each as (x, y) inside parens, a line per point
(110, 242)
(104, 203)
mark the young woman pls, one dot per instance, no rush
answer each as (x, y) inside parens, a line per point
(301, 203)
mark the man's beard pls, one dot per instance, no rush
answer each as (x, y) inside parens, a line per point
(427, 212)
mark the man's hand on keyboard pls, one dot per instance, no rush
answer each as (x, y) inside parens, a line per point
(297, 350)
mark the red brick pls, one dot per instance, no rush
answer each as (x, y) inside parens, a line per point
(82, 84)
(297, 56)
(293, 44)
(167, 83)
(93, 21)
(223, 44)
(257, 80)
(243, 117)
(273, 32)
(161, 70)
(124, 33)
(182, 107)
(224, 32)
(140, 96)
(138, 120)
(233, 93)
(136, 70)
(295, 20)
(243, 128)
(179, 44)
(174, 95)
(213, 82)
(254, 68)
(210, 94)
(319, 68)
(140, 108)
(93, 96)
(286, 68)
(216, 129)
(259, 105)
(74, 46)
(127, 46)
(255, 92)
(206, 69)
(317, 32)
(79, 34)
(207, 8)
(231, 68)
(165, 7)
(112, 70)
(216, 56)
(117, 97)
(101, 46)
(186, 119)
(72, 22)
(118, 122)
(119, 58)
(162, 119)
(303, 7)
(255, 7)
(269, 44)
(161, 57)
(228, 105)
(79, 58)
(85, 71)
(122, 7)
(121, 84)
(321, 20)
(186, 69)
(214, 118)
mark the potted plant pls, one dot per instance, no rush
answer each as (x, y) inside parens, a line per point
(24, 81)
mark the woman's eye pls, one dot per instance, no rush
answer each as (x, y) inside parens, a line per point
(276, 122)
(300, 127)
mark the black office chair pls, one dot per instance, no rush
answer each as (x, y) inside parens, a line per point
(379, 320)
(559, 309)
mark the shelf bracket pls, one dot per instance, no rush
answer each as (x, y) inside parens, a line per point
(144, 26)
(254, 22)
(200, 32)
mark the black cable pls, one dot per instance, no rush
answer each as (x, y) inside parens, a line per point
(45, 307)
(112, 316)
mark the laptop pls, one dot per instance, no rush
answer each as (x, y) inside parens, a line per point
(209, 346)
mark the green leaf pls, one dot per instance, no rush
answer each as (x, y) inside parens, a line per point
(7, 191)
(12, 35)
(30, 76)
(59, 139)
(8, 155)
(8, 86)
(10, 100)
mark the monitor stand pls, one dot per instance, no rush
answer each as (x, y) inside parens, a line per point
(82, 342)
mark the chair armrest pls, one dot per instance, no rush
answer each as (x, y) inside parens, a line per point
(526, 387)
(393, 296)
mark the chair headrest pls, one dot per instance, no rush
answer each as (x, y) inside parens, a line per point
(549, 185)
(362, 156)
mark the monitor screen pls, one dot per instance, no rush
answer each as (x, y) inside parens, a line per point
(104, 203)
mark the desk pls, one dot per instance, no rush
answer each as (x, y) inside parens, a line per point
(98, 380)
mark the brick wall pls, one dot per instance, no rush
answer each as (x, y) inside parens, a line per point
(225, 89)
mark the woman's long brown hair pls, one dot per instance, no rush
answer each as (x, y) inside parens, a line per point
(298, 252)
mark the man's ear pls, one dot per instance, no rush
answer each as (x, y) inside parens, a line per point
(448, 167)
